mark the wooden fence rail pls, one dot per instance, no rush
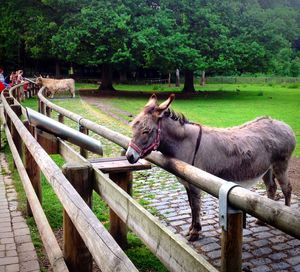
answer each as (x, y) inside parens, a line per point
(105, 251)
(51, 246)
(276, 214)
(173, 252)
(159, 239)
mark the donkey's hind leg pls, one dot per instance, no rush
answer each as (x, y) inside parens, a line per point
(270, 184)
(271, 187)
(280, 172)
(194, 196)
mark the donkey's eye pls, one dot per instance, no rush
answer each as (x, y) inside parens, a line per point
(146, 131)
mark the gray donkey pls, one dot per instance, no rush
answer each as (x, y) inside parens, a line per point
(243, 154)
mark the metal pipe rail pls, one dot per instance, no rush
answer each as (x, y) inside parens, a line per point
(276, 214)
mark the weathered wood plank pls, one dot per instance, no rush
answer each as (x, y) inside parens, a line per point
(169, 248)
(77, 255)
(15, 135)
(51, 246)
(32, 170)
(69, 154)
(106, 252)
(48, 141)
(119, 164)
(118, 228)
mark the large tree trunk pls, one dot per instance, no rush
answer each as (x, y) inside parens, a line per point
(177, 78)
(106, 80)
(188, 82)
(57, 69)
(203, 80)
(123, 77)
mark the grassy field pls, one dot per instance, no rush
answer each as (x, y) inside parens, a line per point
(224, 105)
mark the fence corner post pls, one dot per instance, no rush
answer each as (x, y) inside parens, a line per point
(231, 221)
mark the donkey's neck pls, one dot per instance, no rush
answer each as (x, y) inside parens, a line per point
(178, 140)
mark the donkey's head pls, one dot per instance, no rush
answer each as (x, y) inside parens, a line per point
(146, 129)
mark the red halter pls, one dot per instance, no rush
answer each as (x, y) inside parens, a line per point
(151, 147)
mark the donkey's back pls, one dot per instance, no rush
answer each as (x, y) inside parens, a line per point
(258, 149)
(271, 135)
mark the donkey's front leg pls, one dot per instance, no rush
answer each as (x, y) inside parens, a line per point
(194, 196)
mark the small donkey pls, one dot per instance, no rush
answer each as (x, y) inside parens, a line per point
(244, 154)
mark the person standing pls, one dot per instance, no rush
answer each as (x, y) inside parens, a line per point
(2, 79)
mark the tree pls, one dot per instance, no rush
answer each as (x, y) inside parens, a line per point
(97, 35)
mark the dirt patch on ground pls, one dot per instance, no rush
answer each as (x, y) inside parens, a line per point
(294, 175)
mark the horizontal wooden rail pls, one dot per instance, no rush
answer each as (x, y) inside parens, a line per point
(276, 214)
(105, 251)
(168, 247)
(52, 248)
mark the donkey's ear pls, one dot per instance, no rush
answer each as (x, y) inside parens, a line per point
(152, 102)
(165, 105)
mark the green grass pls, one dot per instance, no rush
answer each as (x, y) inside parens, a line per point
(225, 105)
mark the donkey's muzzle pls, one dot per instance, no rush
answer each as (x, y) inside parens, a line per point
(131, 155)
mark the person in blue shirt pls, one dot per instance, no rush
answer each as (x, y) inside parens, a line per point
(2, 79)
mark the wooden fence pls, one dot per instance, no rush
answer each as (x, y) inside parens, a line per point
(252, 80)
(173, 252)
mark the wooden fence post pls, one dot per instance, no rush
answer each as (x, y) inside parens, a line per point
(84, 130)
(10, 101)
(61, 118)
(231, 242)
(48, 111)
(18, 94)
(76, 254)
(118, 228)
(47, 141)
(42, 107)
(39, 104)
(14, 133)
(33, 170)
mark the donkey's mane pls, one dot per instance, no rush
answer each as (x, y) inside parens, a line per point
(170, 113)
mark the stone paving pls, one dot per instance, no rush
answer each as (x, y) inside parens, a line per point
(264, 248)
(17, 252)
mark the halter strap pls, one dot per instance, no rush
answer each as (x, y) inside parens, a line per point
(197, 143)
(151, 147)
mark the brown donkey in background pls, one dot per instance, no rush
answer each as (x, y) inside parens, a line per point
(244, 154)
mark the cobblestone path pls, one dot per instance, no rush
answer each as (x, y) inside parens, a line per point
(264, 248)
(17, 252)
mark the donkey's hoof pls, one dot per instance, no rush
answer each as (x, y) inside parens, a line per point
(260, 223)
(193, 237)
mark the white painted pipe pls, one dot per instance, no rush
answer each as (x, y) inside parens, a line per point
(64, 132)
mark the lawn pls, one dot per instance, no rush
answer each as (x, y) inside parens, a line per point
(224, 105)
